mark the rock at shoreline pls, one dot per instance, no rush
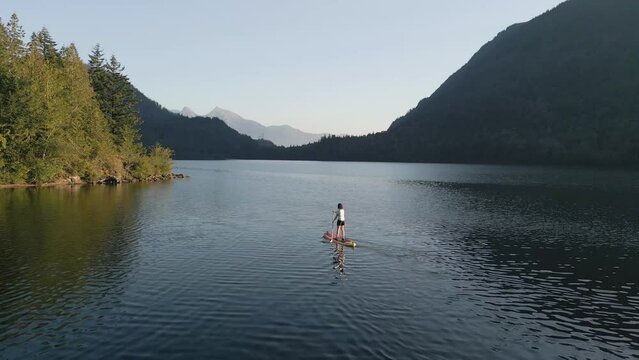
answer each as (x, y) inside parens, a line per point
(113, 180)
(74, 180)
(165, 177)
(110, 180)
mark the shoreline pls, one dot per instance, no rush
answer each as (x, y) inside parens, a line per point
(110, 180)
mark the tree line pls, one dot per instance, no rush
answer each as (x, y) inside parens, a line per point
(60, 117)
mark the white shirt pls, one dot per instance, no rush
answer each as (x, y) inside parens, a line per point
(341, 215)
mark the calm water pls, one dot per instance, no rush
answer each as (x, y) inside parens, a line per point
(455, 262)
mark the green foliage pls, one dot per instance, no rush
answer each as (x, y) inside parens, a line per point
(161, 159)
(156, 163)
(43, 171)
(52, 123)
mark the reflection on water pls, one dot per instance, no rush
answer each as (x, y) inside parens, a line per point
(456, 261)
(339, 259)
(64, 251)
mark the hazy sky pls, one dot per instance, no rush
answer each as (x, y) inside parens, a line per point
(338, 66)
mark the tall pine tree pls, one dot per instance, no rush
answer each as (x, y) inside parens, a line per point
(47, 46)
(117, 100)
(5, 87)
(16, 35)
(125, 120)
(99, 77)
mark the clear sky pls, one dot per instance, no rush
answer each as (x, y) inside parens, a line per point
(337, 66)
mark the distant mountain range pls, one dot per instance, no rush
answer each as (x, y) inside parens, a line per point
(196, 137)
(278, 134)
(186, 111)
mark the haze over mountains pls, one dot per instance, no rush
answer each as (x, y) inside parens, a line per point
(186, 111)
(196, 137)
(284, 135)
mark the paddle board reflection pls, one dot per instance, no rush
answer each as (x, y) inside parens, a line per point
(339, 259)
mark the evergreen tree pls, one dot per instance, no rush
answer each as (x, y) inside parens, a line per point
(98, 75)
(60, 119)
(46, 45)
(16, 37)
(116, 97)
(122, 109)
(10, 49)
(5, 87)
(4, 43)
(118, 102)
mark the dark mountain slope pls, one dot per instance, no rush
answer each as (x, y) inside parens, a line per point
(563, 87)
(197, 137)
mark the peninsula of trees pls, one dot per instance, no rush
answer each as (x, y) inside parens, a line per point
(62, 119)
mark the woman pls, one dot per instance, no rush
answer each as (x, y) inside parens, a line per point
(339, 216)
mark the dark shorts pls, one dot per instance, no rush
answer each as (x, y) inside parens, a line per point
(340, 222)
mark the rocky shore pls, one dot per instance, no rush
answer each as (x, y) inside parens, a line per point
(109, 180)
(112, 180)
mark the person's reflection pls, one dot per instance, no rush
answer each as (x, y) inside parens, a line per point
(338, 258)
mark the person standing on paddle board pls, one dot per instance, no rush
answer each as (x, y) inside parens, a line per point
(339, 216)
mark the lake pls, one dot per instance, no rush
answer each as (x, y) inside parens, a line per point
(453, 262)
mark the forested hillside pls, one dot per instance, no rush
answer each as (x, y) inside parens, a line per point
(62, 119)
(562, 88)
(196, 137)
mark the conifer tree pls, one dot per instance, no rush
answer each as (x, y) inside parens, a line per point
(5, 88)
(116, 97)
(98, 75)
(16, 35)
(4, 43)
(122, 107)
(47, 46)
(60, 119)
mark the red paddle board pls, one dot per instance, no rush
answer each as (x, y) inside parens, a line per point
(332, 238)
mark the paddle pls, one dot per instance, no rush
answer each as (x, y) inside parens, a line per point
(331, 232)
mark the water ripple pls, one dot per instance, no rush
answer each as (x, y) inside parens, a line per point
(459, 262)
